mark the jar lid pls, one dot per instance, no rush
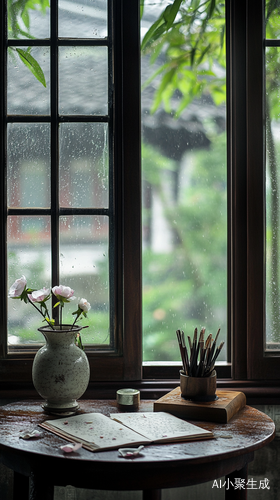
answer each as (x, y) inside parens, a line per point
(128, 397)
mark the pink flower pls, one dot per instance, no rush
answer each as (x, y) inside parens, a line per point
(39, 295)
(63, 293)
(17, 288)
(84, 305)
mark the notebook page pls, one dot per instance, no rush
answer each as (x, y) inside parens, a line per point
(96, 430)
(159, 426)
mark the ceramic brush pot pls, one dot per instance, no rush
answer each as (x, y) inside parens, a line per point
(198, 388)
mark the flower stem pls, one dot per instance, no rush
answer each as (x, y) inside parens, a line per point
(61, 306)
(37, 309)
(75, 321)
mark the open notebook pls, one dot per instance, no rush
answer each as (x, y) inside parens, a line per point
(97, 432)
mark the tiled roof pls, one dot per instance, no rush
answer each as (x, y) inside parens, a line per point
(85, 92)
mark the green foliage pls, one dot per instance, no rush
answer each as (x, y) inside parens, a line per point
(273, 189)
(19, 27)
(95, 334)
(273, 59)
(32, 64)
(18, 16)
(193, 45)
(191, 35)
(186, 288)
(162, 24)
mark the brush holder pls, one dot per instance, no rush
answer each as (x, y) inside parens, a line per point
(198, 388)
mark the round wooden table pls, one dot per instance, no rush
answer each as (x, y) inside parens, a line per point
(161, 466)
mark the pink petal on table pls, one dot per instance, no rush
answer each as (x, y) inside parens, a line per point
(68, 448)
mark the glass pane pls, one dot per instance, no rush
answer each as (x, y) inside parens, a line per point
(83, 165)
(272, 19)
(26, 94)
(29, 254)
(184, 182)
(82, 19)
(83, 80)
(28, 179)
(84, 266)
(28, 19)
(272, 198)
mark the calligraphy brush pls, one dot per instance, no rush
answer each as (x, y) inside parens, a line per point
(213, 346)
(206, 354)
(182, 351)
(208, 350)
(218, 350)
(193, 353)
(203, 349)
(211, 365)
(185, 351)
(199, 347)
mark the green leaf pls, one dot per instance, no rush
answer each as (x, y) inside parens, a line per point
(141, 8)
(211, 8)
(222, 36)
(162, 24)
(204, 52)
(150, 35)
(166, 80)
(26, 19)
(32, 65)
(193, 52)
(171, 12)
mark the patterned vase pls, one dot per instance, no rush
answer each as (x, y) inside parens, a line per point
(60, 370)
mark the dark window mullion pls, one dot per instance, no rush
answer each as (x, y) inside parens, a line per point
(3, 177)
(63, 211)
(63, 42)
(272, 42)
(237, 158)
(54, 144)
(113, 279)
(61, 119)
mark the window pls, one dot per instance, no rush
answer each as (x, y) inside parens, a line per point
(263, 358)
(272, 175)
(106, 169)
(184, 171)
(67, 177)
(251, 360)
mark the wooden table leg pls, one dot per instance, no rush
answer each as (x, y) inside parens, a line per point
(236, 482)
(40, 487)
(20, 487)
(151, 495)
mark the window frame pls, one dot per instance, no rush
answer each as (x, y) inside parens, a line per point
(261, 365)
(249, 370)
(249, 366)
(124, 122)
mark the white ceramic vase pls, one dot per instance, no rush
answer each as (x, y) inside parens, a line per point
(60, 370)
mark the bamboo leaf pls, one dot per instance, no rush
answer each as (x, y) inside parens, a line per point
(162, 24)
(204, 52)
(32, 65)
(141, 8)
(222, 36)
(25, 18)
(151, 32)
(166, 80)
(171, 12)
(193, 52)
(211, 8)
